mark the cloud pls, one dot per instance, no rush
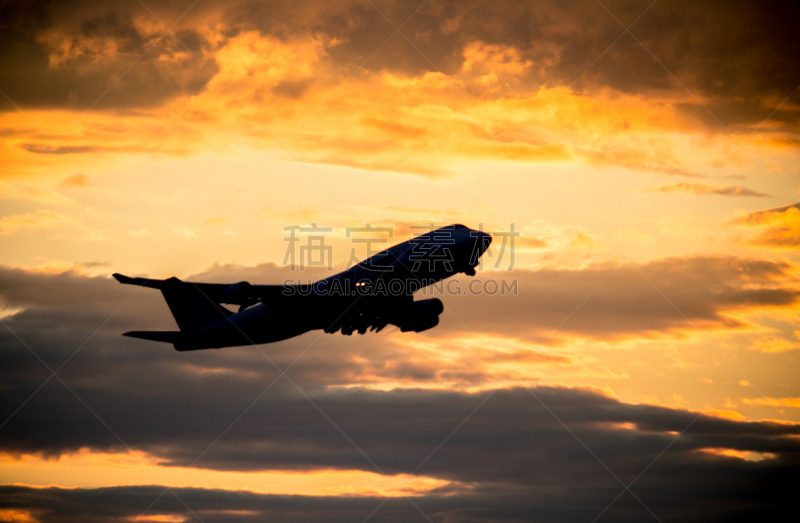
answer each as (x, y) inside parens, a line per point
(527, 242)
(525, 47)
(75, 181)
(512, 458)
(480, 80)
(38, 220)
(42, 148)
(702, 188)
(49, 149)
(549, 308)
(709, 292)
(54, 55)
(775, 402)
(689, 501)
(627, 301)
(780, 227)
(57, 225)
(774, 345)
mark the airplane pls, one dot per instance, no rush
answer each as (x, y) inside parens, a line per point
(368, 296)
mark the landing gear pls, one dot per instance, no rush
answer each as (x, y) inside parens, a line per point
(470, 271)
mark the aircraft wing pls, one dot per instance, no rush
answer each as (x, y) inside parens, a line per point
(241, 293)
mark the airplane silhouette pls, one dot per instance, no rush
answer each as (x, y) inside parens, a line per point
(371, 295)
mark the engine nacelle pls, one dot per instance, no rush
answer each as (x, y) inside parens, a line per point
(432, 307)
(423, 315)
(238, 293)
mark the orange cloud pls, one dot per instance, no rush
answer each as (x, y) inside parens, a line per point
(527, 242)
(76, 180)
(263, 90)
(38, 220)
(18, 516)
(746, 455)
(702, 188)
(780, 227)
(774, 345)
(773, 402)
(45, 220)
(89, 469)
(159, 518)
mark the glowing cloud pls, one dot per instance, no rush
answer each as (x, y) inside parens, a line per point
(780, 227)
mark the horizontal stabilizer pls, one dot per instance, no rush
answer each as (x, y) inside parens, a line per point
(143, 282)
(165, 336)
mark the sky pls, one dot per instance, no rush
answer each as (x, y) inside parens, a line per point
(642, 365)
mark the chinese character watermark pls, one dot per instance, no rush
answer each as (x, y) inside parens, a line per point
(430, 248)
(370, 262)
(314, 253)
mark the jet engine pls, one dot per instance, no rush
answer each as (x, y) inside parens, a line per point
(423, 315)
(237, 293)
(240, 294)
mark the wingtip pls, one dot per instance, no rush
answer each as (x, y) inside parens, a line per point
(121, 277)
(162, 336)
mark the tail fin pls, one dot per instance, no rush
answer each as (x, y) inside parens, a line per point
(191, 308)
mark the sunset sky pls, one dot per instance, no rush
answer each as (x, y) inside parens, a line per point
(648, 153)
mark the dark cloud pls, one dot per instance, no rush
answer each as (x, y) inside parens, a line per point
(626, 300)
(292, 89)
(61, 55)
(60, 311)
(512, 461)
(514, 458)
(106, 505)
(734, 52)
(740, 58)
